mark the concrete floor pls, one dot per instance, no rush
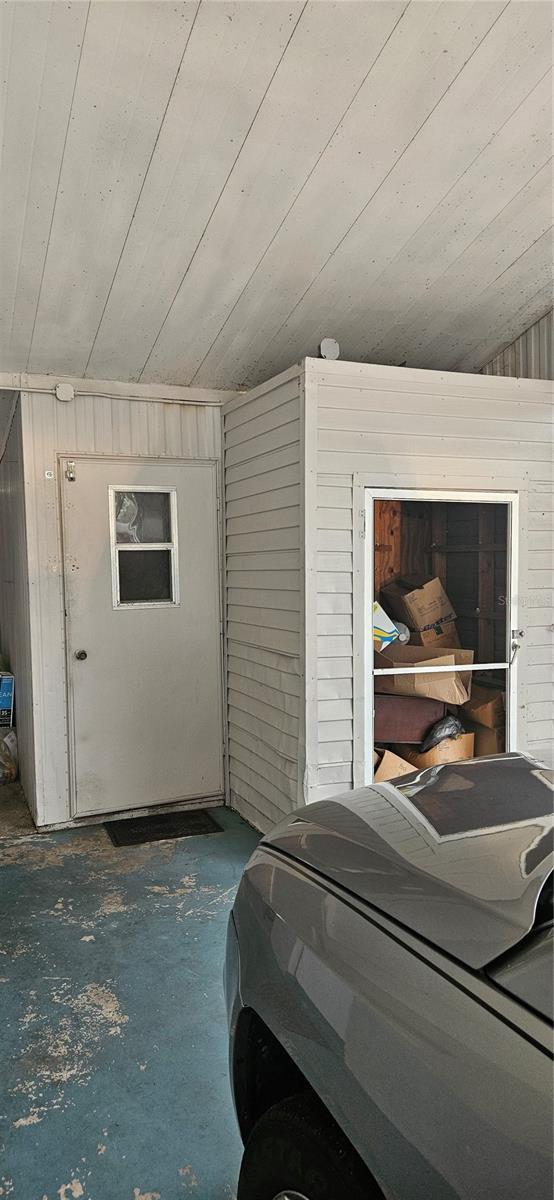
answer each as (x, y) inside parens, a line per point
(114, 1080)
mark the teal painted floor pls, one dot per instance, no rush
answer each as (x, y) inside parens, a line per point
(114, 1071)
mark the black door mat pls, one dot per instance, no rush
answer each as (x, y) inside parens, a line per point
(137, 830)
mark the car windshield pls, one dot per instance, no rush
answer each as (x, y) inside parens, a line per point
(482, 794)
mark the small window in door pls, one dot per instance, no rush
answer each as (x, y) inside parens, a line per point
(143, 530)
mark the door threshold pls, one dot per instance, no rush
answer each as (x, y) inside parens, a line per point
(147, 810)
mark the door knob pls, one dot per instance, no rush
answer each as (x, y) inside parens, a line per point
(81, 655)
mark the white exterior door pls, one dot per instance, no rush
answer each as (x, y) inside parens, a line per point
(142, 599)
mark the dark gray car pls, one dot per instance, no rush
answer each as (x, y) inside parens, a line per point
(389, 989)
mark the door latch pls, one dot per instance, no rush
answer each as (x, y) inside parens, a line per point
(70, 471)
(517, 635)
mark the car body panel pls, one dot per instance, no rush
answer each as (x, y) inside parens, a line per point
(438, 1095)
(363, 956)
(454, 854)
(527, 973)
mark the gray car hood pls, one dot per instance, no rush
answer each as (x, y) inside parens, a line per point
(458, 853)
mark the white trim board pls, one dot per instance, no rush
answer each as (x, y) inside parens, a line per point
(21, 381)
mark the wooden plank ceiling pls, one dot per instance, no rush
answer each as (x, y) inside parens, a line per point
(199, 192)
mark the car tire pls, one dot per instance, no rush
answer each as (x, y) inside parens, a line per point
(296, 1149)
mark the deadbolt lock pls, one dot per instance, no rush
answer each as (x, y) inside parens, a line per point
(81, 655)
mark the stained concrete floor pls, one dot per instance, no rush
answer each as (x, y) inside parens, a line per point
(114, 1073)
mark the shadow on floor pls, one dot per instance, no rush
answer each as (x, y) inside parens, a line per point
(114, 1083)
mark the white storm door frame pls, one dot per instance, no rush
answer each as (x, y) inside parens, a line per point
(363, 567)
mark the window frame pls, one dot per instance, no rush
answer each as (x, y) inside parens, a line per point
(363, 667)
(117, 548)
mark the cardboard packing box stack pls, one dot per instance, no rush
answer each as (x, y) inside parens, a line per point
(407, 705)
(423, 605)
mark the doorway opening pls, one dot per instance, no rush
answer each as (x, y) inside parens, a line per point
(440, 642)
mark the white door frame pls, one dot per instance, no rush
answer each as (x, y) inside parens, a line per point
(363, 568)
(62, 458)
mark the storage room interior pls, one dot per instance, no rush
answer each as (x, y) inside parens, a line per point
(457, 553)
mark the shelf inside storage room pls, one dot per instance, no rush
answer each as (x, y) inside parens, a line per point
(441, 578)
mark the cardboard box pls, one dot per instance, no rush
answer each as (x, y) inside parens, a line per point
(418, 602)
(449, 750)
(7, 684)
(391, 767)
(487, 741)
(486, 706)
(444, 685)
(444, 633)
(405, 718)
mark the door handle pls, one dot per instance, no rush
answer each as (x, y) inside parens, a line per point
(81, 655)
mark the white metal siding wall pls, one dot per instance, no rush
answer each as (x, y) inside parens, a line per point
(425, 429)
(89, 425)
(538, 617)
(531, 356)
(15, 633)
(264, 539)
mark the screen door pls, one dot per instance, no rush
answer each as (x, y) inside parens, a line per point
(142, 597)
(463, 545)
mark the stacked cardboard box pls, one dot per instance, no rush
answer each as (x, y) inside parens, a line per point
(484, 714)
(446, 685)
(388, 766)
(423, 605)
(447, 751)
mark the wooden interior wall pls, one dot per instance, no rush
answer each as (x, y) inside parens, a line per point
(387, 535)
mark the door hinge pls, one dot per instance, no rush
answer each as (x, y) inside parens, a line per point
(70, 471)
(364, 519)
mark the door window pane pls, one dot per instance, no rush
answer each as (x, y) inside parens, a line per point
(144, 576)
(142, 517)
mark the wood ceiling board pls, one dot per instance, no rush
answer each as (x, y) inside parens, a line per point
(131, 54)
(406, 79)
(325, 63)
(519, 227)
(530, 273)
(452, 296)
(41, 44)
(232, 54)
(403, 293)
(508, 62)
(279, 201)
(506, 327)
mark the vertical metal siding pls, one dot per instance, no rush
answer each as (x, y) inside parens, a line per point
(89, 425)
(263, 529)
(414, 428)
(531, 356)
(15, 631)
